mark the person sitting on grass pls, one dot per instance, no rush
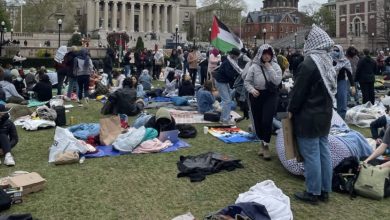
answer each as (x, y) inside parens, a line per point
(162, 121)
(29, 80)
(186, 87)
(8, 136)
(43, 89)
(170, 84)
(124, 100)
(11, 95)
(381, 149)
(205, 98)
(146, 80)
(117, 80)
(138, 87)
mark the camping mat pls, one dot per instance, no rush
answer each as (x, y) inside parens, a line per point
(193, 117)
(109, 151)
(232, 135)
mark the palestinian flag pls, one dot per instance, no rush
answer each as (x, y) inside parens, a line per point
(222, 38)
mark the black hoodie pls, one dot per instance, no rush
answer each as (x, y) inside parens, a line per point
(8, 127)
(186, 89)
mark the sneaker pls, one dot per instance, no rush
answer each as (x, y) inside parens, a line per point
(307, 197)
(324, 197)
(9, 160)
(227, 123)
(266, 152)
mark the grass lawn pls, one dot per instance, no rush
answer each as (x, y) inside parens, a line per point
(146, 186)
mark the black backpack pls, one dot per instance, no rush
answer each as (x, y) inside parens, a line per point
(186, 131)
(345, 175)
(5, 200)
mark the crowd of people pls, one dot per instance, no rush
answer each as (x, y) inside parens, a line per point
(325, 77)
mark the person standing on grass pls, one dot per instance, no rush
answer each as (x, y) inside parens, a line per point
(126, 63)
(8, 136)
(365, 75)
(262, 82)
(344, 79)
(192, 60)
(352, 56)
(311, 105)
(226, 75)
(158, 63)
(84, 69)
(72, 79)
(108, 64)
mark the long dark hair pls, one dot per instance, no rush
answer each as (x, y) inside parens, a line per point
(171, 76)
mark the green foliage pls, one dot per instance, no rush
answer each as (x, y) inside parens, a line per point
(75, 40)
(4, 15)
(140, 44)
(326, 20)
(43, 53)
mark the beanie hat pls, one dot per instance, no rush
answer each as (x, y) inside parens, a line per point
(163, 113)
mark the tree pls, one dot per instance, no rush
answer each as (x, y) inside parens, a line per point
(75, 40)
(117, 39)
(383, 19)
(325, 19)
(3, 15)
(140, 44)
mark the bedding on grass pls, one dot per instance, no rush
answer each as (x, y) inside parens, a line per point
(232, 135)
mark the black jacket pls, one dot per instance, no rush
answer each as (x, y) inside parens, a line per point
(226, 73)
(366, 69)
(43, 91)
(294, 61)
(310, 104)
(186, 89)
(7, 127)
(124, 101)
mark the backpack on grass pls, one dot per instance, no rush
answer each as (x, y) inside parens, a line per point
(373, 182)
(344, 176)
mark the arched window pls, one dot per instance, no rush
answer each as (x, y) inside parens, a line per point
(357, 26)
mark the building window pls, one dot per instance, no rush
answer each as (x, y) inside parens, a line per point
(372, 6)
(357, 8)
(356, 24)
(343, 10)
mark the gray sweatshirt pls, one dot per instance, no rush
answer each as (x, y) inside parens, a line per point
(254, 79)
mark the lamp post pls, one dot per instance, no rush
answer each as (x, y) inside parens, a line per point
(264, 34)
(59, 22)
(210, 35)
(12, 32)
(177, 30)
(254, 38)
(2, 37)
(372, 42)
(295, 40)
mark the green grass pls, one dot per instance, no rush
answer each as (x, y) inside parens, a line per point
(146, 186)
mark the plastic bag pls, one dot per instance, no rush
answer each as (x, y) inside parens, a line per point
(64, 141)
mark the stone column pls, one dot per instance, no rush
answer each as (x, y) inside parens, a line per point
(123, 16)
(114, 23)
(97, 17)
(141, 18)
(165, 19)
(173, 17)
(106, 15)
(157, 20)
(150, 17)
(132, 16)
(178, 21)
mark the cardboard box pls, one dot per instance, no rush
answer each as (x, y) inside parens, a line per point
(290, 143)
(31, 182)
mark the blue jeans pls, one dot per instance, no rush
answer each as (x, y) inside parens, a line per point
(225, 92)
(72, 83)
(341, 97)
(317, 163)
(127, 70)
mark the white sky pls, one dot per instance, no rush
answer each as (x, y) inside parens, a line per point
(256, 4)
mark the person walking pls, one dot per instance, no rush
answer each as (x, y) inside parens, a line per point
(262, 81)
(311, 106)
(365, 75)
(225, 76)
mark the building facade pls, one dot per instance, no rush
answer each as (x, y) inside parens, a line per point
(204, 17)
(276, 20)
(362, 23)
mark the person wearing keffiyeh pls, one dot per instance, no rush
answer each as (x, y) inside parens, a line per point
(310, 108)
(262, 100)
(344, 71)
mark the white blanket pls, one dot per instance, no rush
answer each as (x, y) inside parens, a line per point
(266, 193)
(33, 125)
(363, 115)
